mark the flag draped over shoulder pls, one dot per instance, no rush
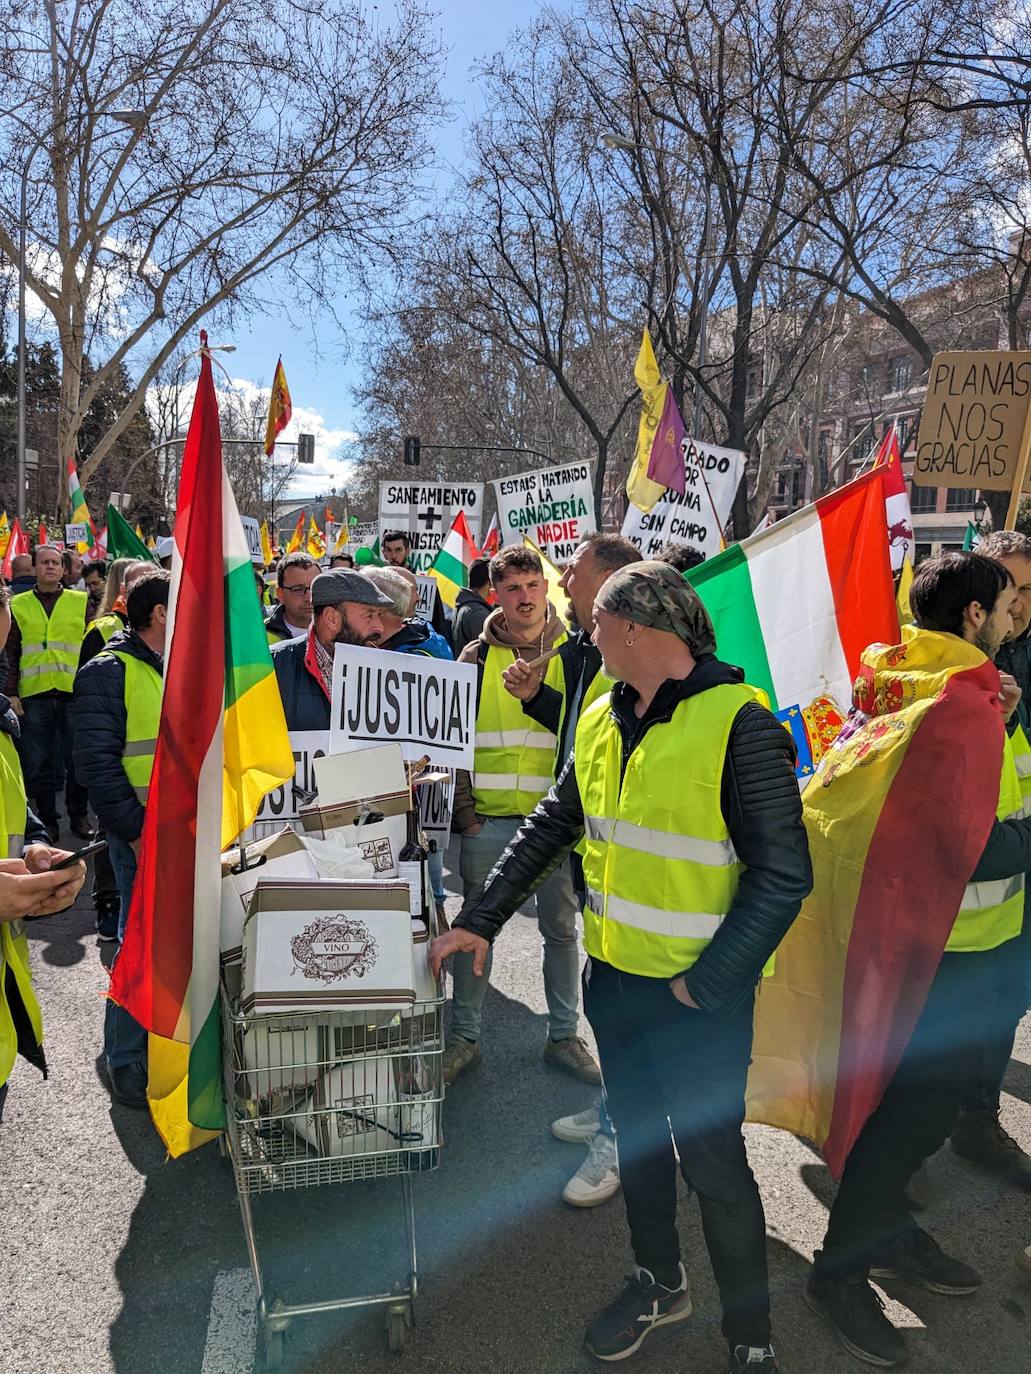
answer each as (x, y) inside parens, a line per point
(280, 408)
(897, 818)
(795, 605)
(222, 745)
(450, 567)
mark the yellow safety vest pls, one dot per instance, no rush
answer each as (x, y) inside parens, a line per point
(515, 757)
(49, 645)
(993, 912)
(599, 686)
(14, 947)
(659, 865)
(143, 688)
(109, 625)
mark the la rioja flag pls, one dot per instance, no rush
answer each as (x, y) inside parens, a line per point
(901, 542)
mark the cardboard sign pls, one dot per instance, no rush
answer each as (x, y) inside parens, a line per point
(554, 506)
(282, 806)
(973, 422)
(697, 518)
(427, 600)
(252, 531)
(427, 511)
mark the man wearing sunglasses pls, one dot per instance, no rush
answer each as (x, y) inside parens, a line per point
(292, 617)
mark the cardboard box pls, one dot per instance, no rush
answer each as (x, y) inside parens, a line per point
(364, 800)
(277, 856)
(321, 946)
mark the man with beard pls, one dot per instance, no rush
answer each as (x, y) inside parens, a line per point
(346, 609)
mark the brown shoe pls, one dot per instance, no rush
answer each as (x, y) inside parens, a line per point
(459, 1056)
(573, 1057)
(980, 1138)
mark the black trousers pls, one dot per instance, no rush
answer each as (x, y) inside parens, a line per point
(915, 1115)
(1011, 1000)
(46, 754)
(674, 1074)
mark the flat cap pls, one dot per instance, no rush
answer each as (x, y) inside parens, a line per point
(330, 588)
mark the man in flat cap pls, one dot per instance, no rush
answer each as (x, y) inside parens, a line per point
(682, 786)
(346, 609)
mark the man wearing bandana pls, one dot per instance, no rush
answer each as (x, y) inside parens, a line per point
(682, 787)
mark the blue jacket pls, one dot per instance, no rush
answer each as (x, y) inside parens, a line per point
(416, 637)
(305, 704)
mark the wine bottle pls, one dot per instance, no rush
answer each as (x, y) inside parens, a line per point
(411, 868)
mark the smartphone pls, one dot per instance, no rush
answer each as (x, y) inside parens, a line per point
(83, 853)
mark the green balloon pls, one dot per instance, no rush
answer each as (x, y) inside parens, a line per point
(362, 558)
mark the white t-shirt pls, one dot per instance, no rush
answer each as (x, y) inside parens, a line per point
(296, 631)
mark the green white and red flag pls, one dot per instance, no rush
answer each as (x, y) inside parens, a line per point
(79, 510)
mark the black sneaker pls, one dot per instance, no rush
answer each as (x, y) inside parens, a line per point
(619, 1329)
(107, 924)
(981, 1138)
(916, 1258)
(753, 1359)
(855, 1313)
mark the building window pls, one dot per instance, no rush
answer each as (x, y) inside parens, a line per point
(921, 551)
(906, 426)
(862, 442)
(900, 373)
(960, 498)
(923, 499)
(870, 379)
(823, 455)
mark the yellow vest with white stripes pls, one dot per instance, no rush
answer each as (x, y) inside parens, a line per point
(14, 947)
(50, 645)
(515, 757)
(143, 688)
(993, 912)
(659, 864)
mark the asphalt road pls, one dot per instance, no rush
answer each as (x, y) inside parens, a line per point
(115, 1259)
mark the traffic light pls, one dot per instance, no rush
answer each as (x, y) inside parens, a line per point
(306, 448)
(412, 450)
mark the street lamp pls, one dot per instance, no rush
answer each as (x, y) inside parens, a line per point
(619, 142)
(131, 118)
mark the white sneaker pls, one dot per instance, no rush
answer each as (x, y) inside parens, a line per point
(597, 1178)
(1024, 1258)
(577, 1129)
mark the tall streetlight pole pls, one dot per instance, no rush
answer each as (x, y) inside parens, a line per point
(130, 118)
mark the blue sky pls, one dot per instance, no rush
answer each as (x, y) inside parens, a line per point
(321, 388)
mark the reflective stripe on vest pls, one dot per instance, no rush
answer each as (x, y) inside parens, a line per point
(143, 686)
(14, 947)
(515, 759)
(659, 865)
(12, 797)
(49, 645)
(993, 912)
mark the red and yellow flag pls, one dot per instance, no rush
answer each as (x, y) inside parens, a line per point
(316, 543)
(894, 841)
(279, 409)
(297, 538)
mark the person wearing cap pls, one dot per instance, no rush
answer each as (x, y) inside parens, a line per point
(682, 787)
(346, 609)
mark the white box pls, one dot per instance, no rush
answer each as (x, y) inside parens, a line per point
(277, 856)
(327, 947)
(352, 787)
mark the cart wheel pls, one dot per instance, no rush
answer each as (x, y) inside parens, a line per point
(274, 1348)
(397, 1330)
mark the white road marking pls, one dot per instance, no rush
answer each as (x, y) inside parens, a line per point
(230, 1344)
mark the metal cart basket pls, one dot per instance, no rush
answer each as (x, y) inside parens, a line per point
(314, 1098)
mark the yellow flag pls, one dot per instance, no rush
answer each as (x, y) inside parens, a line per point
(5, 533)
(902, 595)
(266, 544)
(280, 408)
(639, 486)
(556, 595)
(316, 543)
(139, 533)
(167, 1073)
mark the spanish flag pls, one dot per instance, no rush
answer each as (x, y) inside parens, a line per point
(316, 543)
(897, 817)
(279, 409)
(297, 538)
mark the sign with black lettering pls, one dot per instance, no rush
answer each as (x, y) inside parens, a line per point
(428, 590)
(436, 802)
(554, 506)
(427, 511)
(252, 531)
(698, 518)
(973, 421)
(281, 807)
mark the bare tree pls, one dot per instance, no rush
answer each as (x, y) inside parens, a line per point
(185, 158)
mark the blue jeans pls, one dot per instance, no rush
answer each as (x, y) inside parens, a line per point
(125, 1040)
(556, 915)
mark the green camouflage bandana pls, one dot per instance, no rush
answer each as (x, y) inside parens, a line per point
(654, 594)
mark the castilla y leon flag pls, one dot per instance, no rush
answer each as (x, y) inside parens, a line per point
(795, 605)
(280, 409)
(897, 818)
(77, 506)
(450, 568)
(222, 745)
(888, 462)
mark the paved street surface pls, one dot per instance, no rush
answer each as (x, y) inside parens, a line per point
(115, 1259)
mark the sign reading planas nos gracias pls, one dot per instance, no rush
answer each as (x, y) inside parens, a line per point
(974, 424)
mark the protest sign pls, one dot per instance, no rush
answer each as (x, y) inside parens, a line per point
(427, 511)
(697, 519)
(74, 535)
(252, 531)
(554, 506)
(974, 420)
(427, 705)
(333, 528)
(427, 601)
(362, 535)
(281, 807)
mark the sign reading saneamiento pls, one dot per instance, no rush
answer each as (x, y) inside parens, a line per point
(427, 511)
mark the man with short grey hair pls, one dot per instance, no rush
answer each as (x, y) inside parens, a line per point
(404, 632)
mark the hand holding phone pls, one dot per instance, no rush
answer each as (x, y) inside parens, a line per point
(70, 860)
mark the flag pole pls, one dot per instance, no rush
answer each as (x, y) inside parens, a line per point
(1020, 476)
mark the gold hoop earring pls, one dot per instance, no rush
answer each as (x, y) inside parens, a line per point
(629, 643)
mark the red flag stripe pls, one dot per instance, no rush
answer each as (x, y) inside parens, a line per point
(856, 549)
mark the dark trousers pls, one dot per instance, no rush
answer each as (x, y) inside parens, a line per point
(914, 1118)
(105, 887)
(674, 1074)
(991, 1057)
(46, 754)
(125, 1040)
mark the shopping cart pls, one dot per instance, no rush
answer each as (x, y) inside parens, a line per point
(313, 1098)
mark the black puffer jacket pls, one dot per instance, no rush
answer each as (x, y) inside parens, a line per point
(761, 805)
(581, 664)
(100, 724)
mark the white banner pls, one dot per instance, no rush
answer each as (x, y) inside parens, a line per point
(252, 531)
(427, 601)
(363, 535)
(697, 518)
(554, 506)
(427, 511)
(76, 534)
(280, 807)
